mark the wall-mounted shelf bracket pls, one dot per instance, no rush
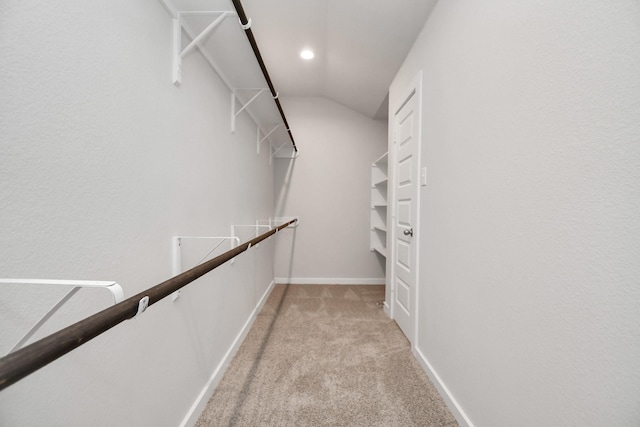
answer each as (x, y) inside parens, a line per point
(234, 99)
(265, 223)
(275, 151)
(259, 140)
(113, 287)
(278, 221)
(178, 52)
(257, 226)
(193, 30)
(176, 267)
(278, 149)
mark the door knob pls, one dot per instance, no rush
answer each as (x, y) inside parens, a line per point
(408, 232)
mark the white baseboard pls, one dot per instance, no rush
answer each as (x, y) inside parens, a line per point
(328, 281)
(203, 398)
(448, 398)
(387, 309)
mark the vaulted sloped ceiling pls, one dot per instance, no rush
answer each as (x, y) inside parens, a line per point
(359, 46)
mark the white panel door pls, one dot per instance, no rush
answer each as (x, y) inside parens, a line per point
(406, 121)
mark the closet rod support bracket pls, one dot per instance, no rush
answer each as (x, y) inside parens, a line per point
(235, 99)
(142, 306)
(267, 135)
(176, 267)
(178, 52)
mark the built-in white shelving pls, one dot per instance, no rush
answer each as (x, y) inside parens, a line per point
(379, 180)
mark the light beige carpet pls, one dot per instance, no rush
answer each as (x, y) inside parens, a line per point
(325, 356)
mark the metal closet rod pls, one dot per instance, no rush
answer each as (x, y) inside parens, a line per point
(245, 25)
(25, 361)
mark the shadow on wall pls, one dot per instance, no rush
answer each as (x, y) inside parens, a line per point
(292, 252)
(381, 260)
(282, 183)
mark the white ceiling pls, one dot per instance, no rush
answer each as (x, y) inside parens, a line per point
(359, 46)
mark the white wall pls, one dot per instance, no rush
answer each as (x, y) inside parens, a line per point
(529, 291)
(102, 161)
(328, 187)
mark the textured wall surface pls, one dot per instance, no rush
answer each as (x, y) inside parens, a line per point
(329, 188)
(102, 161)
(529, 296)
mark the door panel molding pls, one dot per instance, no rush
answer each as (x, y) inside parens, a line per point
(405, 204)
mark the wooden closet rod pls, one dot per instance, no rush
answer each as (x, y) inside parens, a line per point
(246, 26)
(22, 362)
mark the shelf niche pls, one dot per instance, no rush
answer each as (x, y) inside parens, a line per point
(378, 223)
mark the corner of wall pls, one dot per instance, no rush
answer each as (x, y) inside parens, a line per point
(445, 393)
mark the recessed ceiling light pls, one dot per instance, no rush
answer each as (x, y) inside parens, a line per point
(307, 54)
